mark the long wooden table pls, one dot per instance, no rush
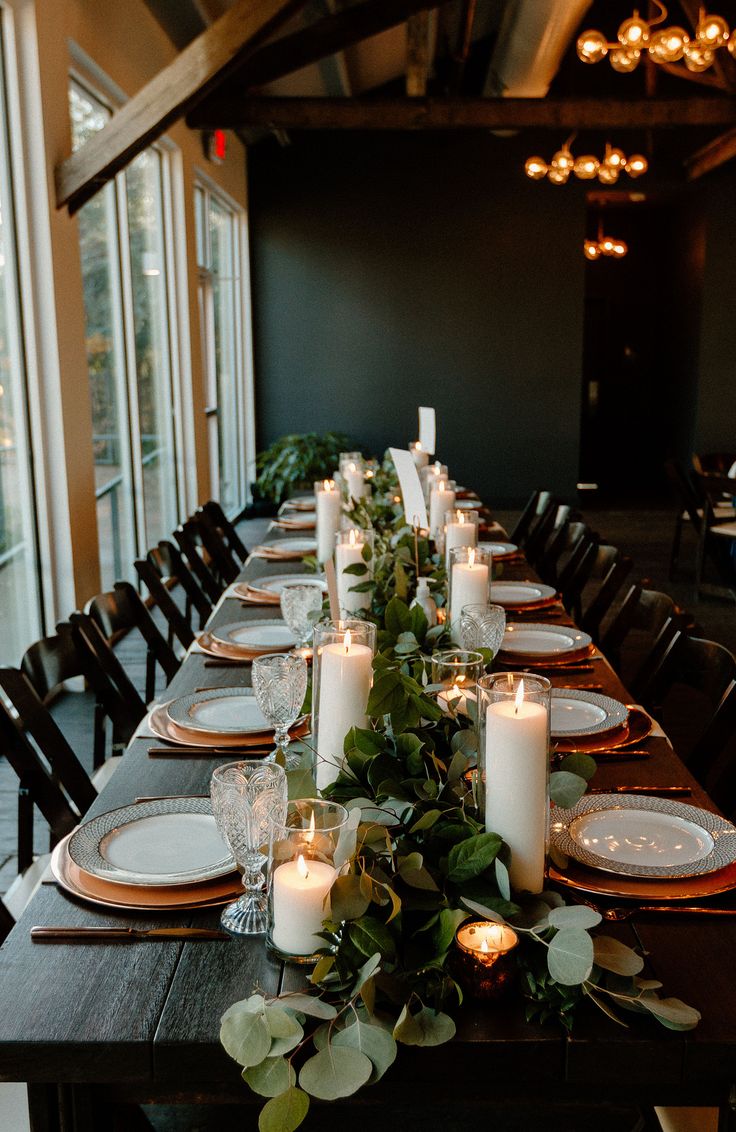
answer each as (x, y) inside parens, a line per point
(87, 1023)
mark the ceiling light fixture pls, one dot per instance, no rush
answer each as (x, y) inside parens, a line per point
(608, 246)
(665, 45)
(587, 167)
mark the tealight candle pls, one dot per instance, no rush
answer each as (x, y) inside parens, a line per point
(421, 458)
(484, 958)
(459, 671)
(342, 684)
(328, 505)
(300, 904)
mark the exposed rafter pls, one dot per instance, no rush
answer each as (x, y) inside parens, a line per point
(206, 61)
(712, 156)
(466, 113)
(420, 33)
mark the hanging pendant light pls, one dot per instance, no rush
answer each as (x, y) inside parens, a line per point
(586, 167)
(663, 45)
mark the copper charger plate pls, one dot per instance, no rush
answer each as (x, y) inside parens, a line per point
(295, 524)
(582, 879)
(270, 555)
(529, 606)
(213, 647)
(550, 660)
(255, 597)
(261, 742)
(638, 725)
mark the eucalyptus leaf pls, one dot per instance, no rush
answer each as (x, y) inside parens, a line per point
(426, 821)
(570, 956)
(347, 840)
(472, 857)
(574, 916)
(285, 1112)
(424, 1028)
(338, 1071)
(482, 910)
(465, 741)
(580, 764)
(615, 956)
(448, 921)
(370, 936)
(671, 1012)
(566, 789)
(376, 1043)
(286, 1032)
(244, 1034)
(367, 971)
(503, 880)
(300, 783)
(322, 968)
(271, 1077)
(310, 1004)
(347, 900)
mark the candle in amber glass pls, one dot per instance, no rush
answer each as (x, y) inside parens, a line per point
(484, 958)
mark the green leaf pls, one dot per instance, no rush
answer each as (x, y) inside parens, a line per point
(285, 1112)
(367, 971)
(368, 742)
(370, 936)
(615, 956)
(244, 1033)
(285, 1031)
(271, 1077)
(322, 968)
(472, 857)
(583, 765)
(347, 840)
(426, 821)
(386, 694)
(483, 911)
(448, 921)
(671, 1012)
(347, 901)
(310, 1004)
(358, 568)
(338, 1071)
(566, 789)
(300, 783)
(465, 741)
(419, 623)
(574, 916)
(372, 1040)
(503, 880)
(367, 552)
(425, 1028)
(570, 956)
(397, 617)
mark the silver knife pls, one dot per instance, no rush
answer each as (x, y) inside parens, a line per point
(123, 935)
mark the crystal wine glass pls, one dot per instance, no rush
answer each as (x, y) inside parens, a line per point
(482, 626)
(280, 684)
(297, 603)
(247, 797)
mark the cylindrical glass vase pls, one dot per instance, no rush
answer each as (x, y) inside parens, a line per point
(513, 763)
(342, 675)
(469, 582)
(429, 476)
(353, 567)
(419, 454)
(353, 478)
(458, 670)
(460, 529)
(328, 505)
(441, 500)
(302, 872)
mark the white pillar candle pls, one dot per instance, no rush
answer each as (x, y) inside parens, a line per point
(420, 457)
(354, 481)
(442, 499)
(329, 506)
(459, 533)
(300, 904)
(516, 786)
(346, 672)
(468, 586)
(350, 554)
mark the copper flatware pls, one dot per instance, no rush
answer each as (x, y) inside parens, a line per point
(123, 935)
(198, 752)
(669, 909)
(167, 797)
(226, 663)
(585, 687)
(655, 791)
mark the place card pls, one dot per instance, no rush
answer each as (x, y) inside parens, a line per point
(427, 429)
(331, 579)
(415, 509)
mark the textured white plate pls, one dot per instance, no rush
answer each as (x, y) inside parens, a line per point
(277, 582)
(520, 593)
(543, 640)
(499, 549)
(293, 545)
(584, 713)
(233, 711)
(253, 635)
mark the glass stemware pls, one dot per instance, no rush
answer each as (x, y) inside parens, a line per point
(482, 626)
(247, 798)
(279, 685)
(297, 605)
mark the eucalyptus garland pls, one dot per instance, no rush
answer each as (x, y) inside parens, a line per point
(415, 862)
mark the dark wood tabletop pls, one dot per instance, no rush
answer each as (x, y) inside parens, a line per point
(141, 1021)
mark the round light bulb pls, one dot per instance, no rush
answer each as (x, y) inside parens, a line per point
(712, 31)
(558, 176)
(592, 46)
(591, 250)
(619, 249)
(634, 32)
(614, 157)
(668, 45)
(536, 168)
(731, 45)
(697, 57)
(586, 167)
(606, 245)
(608, 174)
(625, 59)
(636, 165)
(563, 160)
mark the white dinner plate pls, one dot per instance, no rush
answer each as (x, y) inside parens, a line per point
(467, 504)
(292, 545)
(277, 582)
(576, 712)
(499, 549)
(169, 841)
(519, 594)
(543, 640)
(299, 504)
(256, 636)
(231, 711)
(638, 836)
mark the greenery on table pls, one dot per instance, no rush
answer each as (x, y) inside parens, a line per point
(415, 862)
(296, 461)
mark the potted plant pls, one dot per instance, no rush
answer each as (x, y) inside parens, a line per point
(294, 462)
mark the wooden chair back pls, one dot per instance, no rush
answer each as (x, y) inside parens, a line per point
(527, 517)
(170, 565)
(122, 609)
(215, 512)
(222, 558)
(179, 626)
(108, 678)
(189, 539)
(610, 571)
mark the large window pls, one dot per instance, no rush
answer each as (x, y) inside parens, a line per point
(219, 258)
(127, 301)
(19, 588)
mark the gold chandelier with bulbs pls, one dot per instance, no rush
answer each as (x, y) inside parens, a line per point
(587, 167)
(604, 246)
(664, 45)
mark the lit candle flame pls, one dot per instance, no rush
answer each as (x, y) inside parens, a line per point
(352, 468)
(348, 639)
(328, 485)
(455, 690)
(461, 518)
(301, 867)
(441, 485)
(418, 446)
(353, 537)
(483, 943)
(309, 835)
(471, 557)
(519, 697)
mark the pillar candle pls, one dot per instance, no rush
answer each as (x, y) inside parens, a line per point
(517, 806)
(349, 554)
(420, 457)
(459, 533)
(328, 505)
(346, 672)
(300, 904)
(354, 481)
(468, 586)
(441, 499)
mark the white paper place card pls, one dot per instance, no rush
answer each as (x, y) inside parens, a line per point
(427, 429)
(331, 579)
(415, 509)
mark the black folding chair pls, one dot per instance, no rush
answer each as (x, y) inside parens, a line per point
(122, 609)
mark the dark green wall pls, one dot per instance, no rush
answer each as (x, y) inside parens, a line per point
(397, 270)
(716, 416)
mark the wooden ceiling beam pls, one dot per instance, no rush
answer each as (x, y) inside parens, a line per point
(712, 156)
(291, 52)
(167, 97)
(419, 53)
(466, 113)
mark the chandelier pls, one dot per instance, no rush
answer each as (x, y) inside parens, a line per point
(587, 167)
(665, 45)
(604, 246)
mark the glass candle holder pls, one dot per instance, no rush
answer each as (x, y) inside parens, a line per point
(429, 476)
(352, 472)
(482, 626)
(460, 529)
(513, 764)
(441, 500)
(302, 872)
(469, 582)
(458, 670)
(342, 675)
(328, 506)
(419, 454)
(484, 959)
(353, 567)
